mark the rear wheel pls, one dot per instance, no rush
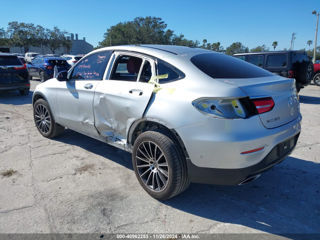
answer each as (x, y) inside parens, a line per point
(316, 79)
(44, 120)
(159, 165)
(24, 92)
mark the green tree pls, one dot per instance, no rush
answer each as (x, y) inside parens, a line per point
(56, 39)
(204, 43)
(236, 47)
(3, 37)
(182, 41)
(148, 30)
(309, 42)
(41, 37)
(261, 48)
(274, 45)
(22, 35)
(216, 47)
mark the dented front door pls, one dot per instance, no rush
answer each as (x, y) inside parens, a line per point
(75, 97)
(118, 103)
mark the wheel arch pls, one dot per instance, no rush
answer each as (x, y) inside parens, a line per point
(145, 124)
(36, 96)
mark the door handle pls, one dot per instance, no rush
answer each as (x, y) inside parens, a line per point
(136, 91)
(88, 86)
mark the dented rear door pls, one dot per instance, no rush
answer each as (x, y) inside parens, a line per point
(118, 103)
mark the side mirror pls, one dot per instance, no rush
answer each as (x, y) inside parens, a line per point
(62, 76)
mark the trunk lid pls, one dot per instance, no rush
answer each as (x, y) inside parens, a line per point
(282, 90)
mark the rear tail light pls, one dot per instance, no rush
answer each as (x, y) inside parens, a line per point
(24, 66)
(49, 67)
(263, 104)
(74, 61)
(221, 108)
(291, 74)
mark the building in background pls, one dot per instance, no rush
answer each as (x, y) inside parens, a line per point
(79, 46)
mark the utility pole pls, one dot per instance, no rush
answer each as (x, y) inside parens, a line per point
(293, 37)
(316, 36)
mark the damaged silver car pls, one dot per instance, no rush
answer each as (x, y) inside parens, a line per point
(185, 114)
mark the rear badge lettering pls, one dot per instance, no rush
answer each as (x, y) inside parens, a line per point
(273, 119)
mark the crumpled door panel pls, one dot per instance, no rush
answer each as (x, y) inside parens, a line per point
(117, 104)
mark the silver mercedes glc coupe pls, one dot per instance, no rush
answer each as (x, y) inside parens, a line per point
(185, 114)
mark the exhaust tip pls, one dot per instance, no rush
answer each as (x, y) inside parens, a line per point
(249, 179)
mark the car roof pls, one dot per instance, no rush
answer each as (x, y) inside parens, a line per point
(270, 52)
(158, 50)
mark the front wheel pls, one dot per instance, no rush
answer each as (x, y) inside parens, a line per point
(44, 120)
(316, 79)
(159, 165)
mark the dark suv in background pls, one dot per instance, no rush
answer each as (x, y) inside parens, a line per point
(290, 64)
(43, 67)
(13, 74)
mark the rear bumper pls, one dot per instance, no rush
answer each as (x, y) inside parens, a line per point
(236, 176)
(15, 86)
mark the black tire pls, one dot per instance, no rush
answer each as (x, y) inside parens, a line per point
(43, 76)
(42, 114)
(177, 175)
(316, 79)
(24, 92)
(304, 73)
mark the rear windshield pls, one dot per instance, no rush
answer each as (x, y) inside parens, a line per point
(58, 62)
(222, 66)
(277, 60)
(9, 60)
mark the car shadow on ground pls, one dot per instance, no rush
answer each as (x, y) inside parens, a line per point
(14, 98)
(309, 99)
(283, 200)
(97, 147)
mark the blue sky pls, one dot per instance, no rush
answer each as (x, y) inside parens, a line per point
(252, 22)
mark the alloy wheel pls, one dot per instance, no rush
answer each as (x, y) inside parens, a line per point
(152, 166)
(42, 118)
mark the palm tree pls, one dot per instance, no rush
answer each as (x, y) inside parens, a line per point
(274, 45)
(309, 42)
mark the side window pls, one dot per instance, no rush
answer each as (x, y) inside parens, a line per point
(165, 68)
(241, 57)
(126, 68)
(277, 60)
(146, 72)
(91, 67)
(256, 59)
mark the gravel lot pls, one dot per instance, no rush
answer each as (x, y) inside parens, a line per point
(77, 184)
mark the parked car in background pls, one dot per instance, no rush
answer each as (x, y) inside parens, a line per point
(186, 114)
(316, 69)
(72, 59)
(290, 64)
(29, 56)
(22, 60)
(43, 67)
(13, 74)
